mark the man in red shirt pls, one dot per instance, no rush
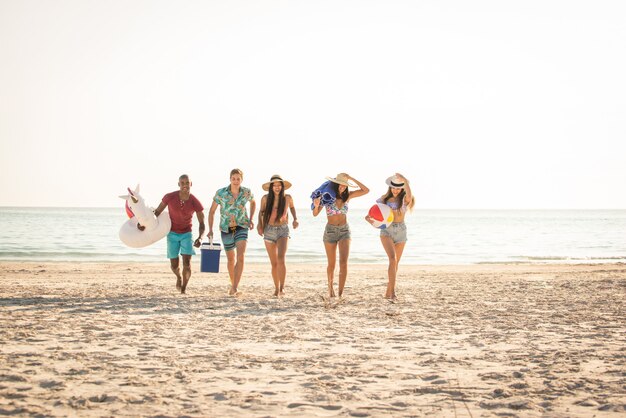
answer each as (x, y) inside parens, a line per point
(181, 206)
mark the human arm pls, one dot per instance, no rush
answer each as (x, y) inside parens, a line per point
(292, 209)
(259, 225)
(252, 210)
(160, 209)
(212, 210)
(317, 207)
(363, 190)
(200, 215)
(408, 195)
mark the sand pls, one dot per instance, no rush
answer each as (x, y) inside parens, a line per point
(462, 341)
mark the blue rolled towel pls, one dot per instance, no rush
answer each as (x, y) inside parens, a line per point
(326, 192)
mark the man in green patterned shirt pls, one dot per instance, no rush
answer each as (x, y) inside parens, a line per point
(234, 224)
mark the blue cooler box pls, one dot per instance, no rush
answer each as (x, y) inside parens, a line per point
(210, 257)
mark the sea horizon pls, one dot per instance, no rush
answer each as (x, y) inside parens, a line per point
(446, 236)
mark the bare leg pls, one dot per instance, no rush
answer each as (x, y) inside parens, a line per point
(399, 251)
(271, 252)
(344, 252)
(240, 247)
(281, 247)
(174, 262)
(392, 269)
(230, 264)
(186, 272)
(331, 255)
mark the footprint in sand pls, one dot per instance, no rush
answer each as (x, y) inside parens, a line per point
(219, 397)
(102, 398)
(327, 407)
(51, 384)
(12, 378)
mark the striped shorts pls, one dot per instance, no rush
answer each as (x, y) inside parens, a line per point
(229, 239)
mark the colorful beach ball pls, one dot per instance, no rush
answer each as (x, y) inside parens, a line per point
(382, 215)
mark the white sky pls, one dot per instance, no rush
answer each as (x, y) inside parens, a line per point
(481, 104)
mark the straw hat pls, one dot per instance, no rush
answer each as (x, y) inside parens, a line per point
(276, 177)
(395, 181)
(341, 178)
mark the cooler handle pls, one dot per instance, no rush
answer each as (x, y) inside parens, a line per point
(211, 246)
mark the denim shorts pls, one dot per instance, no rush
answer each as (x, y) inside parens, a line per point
(179, 244)
(335, 233)
(230, 238)
(396, 231)
(273, 233)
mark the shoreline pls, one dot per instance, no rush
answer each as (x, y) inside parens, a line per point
(94, 339)
(255, 264)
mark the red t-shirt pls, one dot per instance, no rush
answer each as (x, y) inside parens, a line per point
(181, 213)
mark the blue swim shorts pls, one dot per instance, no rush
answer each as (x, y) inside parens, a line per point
(230, 238)
(179, 244)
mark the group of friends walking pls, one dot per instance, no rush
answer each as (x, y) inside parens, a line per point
(273, 225)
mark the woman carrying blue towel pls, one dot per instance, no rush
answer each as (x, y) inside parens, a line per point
(335, 197)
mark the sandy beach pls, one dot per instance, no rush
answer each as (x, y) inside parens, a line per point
(88, 339)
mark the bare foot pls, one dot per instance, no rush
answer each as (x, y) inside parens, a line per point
(326, 301)
(178, 283)
(392, 298)
(232, 291)
(184, 286)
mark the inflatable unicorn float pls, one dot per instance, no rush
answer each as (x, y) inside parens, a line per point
(139, 213)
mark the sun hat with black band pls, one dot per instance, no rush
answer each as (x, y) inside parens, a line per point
(276, 177)
(395, 181)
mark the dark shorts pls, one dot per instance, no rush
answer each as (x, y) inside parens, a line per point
(229, 239)
(335, 233)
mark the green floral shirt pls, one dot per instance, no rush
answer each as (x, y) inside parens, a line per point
(233, 210)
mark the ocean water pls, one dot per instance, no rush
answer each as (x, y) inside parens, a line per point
(435, 237)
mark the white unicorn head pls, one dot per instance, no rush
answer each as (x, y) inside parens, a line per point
(138, 208)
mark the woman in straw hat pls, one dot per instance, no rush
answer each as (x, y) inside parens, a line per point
(399, 198)
(273, 226)
(337, 231)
